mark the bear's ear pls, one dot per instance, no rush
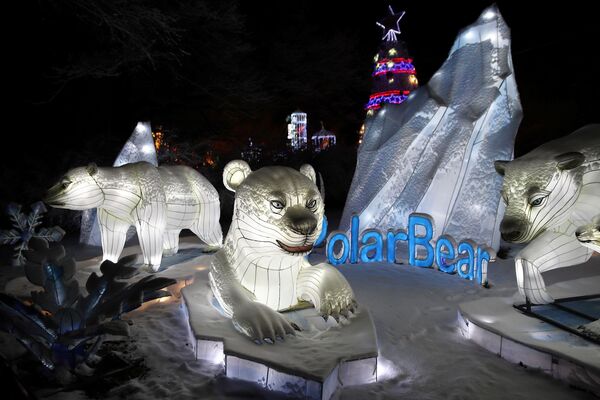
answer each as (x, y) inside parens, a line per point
(500, 166)
(322, 186)
(308, 171)
(92, 169)
(569, 160)
(234, 173)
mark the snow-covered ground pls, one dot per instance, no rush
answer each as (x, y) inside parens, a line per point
(415, 315)
(422, 354)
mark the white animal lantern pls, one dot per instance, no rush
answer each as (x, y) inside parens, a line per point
(551, 195)
(159, 202)
(262, 268)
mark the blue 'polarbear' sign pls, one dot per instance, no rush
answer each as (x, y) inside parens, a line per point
(466, 258)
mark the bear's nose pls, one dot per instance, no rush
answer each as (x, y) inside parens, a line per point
(301, 220)
(52, 194)
(511, 229)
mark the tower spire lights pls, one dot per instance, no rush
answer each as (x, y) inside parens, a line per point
(391, 25)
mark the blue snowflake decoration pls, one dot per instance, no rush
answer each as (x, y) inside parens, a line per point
(24, 228)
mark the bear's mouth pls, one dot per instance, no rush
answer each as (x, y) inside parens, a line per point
(52, 197)
(295, 249)
(53, 202)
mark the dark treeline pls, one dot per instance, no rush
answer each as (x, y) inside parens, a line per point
(83, 72)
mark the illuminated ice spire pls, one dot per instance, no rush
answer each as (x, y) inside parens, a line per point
(391, 25)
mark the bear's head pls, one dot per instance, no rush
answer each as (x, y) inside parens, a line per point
(538, 193)
(279, 209)
(76, 190)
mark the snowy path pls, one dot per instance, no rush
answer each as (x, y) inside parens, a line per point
(423, 356)
(415, 313)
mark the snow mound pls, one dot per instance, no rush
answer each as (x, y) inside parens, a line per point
(592, 329)
(435, 152)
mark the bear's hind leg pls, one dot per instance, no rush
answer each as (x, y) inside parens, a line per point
(171, 242)
(207, 226)
(113, 232)
(150, 225)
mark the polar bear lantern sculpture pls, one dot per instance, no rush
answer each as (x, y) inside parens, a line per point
(158, 201)
(549, 193)
(262, 268)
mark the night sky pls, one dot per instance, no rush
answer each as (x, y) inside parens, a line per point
(86, 71)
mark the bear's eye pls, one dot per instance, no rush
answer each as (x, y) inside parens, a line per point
(65, 183)
(537, 200)
(278, 205)
(311, 204)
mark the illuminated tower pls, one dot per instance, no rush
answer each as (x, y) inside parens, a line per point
(297, 130)
(394, 76)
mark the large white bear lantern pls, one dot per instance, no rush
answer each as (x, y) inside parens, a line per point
(159, 202)
(262, 267)
(552, 194)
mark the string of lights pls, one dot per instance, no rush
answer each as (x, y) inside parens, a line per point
(391, 97)
(404, 66)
